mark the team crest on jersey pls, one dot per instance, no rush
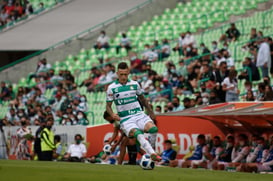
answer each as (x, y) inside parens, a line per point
(117, 95)
(131, 87)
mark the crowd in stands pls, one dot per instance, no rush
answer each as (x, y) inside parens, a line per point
(13, 10)
(212, 78)
(66, 107)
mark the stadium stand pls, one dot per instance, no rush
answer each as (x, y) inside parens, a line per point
(16, 12)
(190, 17)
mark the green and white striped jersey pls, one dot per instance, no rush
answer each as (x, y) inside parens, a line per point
(125, 98)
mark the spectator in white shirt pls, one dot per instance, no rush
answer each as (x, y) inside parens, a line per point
(124, 43)
(180, 44)
(189, 39)
(264, 57)
(148, 55)
(77, 151)
(226, 58)
(102, 41)
(230, 85)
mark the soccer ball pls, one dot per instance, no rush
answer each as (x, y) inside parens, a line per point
(107, 149)
(146, 163)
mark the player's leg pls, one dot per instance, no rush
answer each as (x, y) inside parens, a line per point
(122, 151)
(151, 128)
(132, 149)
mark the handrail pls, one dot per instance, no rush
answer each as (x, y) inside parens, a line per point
(76, 36)
(248, 41)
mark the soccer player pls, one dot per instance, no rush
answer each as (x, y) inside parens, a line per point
(126, 94)
(123, 142)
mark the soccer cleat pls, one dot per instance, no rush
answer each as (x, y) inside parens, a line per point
(156, 157)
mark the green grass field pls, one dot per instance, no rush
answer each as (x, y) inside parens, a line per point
(38, 171)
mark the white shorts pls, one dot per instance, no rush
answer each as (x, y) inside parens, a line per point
(224, 163)
(263, 168)
(135, 122)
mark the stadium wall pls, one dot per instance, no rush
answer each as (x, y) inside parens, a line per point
(60, 51)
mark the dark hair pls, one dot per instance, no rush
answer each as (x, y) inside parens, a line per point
(57, 138)
(244, 136)
(106, 115)
(175, 97)
(168, 141)
(217, 137)
(123, 65)
(186, 99)
(78, 135)
(261, 138)
(230, 138)
(201, 136)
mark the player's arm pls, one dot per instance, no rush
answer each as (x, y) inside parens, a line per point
(145, 103)
(111, 112)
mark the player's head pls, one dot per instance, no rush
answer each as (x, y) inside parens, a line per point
(108, 117)
(123, 72)
(57, 138)
(201, 139)
(217, 141)
(168, 144)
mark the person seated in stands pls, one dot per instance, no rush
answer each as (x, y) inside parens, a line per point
(204, 49)
(260, 160)
(168, 154)
(77, 151)
(148, 55)
(124, 43)
(190, 51)
(232, 34)
(165, 49)
(5, 94)
(102, 41)
(225, 57)
(180, 44)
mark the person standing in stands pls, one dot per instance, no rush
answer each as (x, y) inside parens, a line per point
(47, 141)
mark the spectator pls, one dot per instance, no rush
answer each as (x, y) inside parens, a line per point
(180, 44)
(268, 93)
(77, 151)
(165, 49)
(82, 119)
(136, 63)
(43, 67)
(264, 57)
(168, 154)
(214, 46)
(11, 118)
(22, 149)
(230, 86)
(204, 49)
(232, 34)
(148, 55)
(261, 92)
(270, 42)
(4, 17)
(250, 96)
(102, 41)
(5, 94)
(187, 103)
(124, 43)
(214, 99)
(59, 152)
(226, 58)
(182, 70)
(251, 70)
(176, 105)
(147, 83)
(158, 110)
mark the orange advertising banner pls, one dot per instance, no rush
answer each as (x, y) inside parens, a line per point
(183, 129)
